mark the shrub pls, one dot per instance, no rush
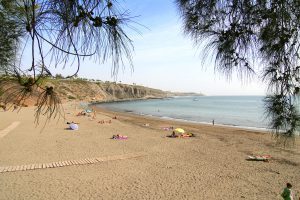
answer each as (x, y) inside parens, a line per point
(71, 97)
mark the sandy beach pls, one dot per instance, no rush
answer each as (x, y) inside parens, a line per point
(147, 165)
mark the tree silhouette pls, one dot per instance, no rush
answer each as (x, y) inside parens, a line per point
(242, 34)
(58, 33)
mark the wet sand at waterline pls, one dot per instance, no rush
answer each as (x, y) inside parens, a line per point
(147, 165)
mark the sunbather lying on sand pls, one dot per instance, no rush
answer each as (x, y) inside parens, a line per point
(183, 135)
(173, 135)
(119, 137)
(103, 122)
(82, 113)
(167, 128)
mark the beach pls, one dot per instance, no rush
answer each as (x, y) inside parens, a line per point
(147, 165)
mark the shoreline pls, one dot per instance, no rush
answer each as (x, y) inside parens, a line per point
(262, 129)
(256, 129)
(131, 116)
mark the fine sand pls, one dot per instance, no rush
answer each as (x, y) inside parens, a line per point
(147, 165)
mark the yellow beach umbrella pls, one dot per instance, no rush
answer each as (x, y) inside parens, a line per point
(179, 130)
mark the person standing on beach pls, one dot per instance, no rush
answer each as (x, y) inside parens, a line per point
(94, 115)
(287, 193)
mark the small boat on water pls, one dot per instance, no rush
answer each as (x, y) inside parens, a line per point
(195, 99)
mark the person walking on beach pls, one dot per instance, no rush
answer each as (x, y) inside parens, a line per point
(287, 193)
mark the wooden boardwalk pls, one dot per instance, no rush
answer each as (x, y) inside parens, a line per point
(66, 163)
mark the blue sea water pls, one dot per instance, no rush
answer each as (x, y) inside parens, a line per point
(245, 111)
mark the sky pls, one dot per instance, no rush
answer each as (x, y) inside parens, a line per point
(164, 58)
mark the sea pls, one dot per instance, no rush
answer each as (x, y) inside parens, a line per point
(240, 111)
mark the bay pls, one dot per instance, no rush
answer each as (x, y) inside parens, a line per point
(244, 111)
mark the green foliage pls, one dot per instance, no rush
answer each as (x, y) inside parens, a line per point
(59, 76)
(42, 81)
(285, 117)
(9, 37)
(80, 80)
(71, 97)
(242, 34)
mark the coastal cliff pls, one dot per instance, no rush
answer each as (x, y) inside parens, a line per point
(92, 91)
(104, 91)
(83, 90)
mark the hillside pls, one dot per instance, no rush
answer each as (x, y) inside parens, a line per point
(90, 91)
(103, 91)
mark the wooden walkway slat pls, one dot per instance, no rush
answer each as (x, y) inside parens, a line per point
(86, 161)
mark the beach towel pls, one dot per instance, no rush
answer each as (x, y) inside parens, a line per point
(187, 135)
(259, 158)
